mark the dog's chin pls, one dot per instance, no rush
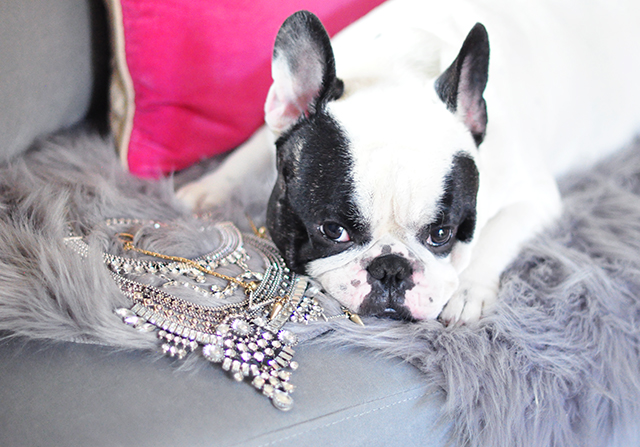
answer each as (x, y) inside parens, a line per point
(401, 314)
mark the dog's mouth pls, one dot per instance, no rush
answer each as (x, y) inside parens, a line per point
(391, 313)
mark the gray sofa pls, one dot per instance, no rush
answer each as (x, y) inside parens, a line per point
(556, 363)
(54, 63)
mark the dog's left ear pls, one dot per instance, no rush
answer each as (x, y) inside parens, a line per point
(303, 70)
(461, 85)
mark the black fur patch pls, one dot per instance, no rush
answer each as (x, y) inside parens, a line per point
(457, 207)
(315, 185)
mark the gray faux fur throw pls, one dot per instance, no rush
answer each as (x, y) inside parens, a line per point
(556, 364)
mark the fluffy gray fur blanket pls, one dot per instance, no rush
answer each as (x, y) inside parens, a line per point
(556, 364)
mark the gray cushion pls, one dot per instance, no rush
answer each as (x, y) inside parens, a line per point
(85, 395)
(45, 69)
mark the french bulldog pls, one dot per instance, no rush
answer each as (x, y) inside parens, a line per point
(409, 163)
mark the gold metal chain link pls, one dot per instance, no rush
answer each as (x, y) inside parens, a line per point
(128, 245)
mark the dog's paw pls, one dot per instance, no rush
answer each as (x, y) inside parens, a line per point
(468, 303)
(201, 195)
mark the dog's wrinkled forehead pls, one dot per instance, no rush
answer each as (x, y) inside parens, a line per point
(379, 174)
(404, 145)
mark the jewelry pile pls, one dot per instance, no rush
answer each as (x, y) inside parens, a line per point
(241, 330)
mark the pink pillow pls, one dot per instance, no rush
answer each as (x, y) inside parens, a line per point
(191, 76)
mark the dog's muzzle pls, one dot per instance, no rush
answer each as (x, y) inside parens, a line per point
(390, 277)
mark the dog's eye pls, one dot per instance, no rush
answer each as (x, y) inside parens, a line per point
(335, 232)
(439, 236)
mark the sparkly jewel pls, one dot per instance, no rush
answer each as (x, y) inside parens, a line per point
(213, 353)
(288, 337)
(222, 329)
(282, 400)
(241, 327)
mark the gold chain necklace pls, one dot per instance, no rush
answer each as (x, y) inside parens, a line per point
(128, 245)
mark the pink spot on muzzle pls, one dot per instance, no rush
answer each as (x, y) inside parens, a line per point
(421, 299)
(357, 289)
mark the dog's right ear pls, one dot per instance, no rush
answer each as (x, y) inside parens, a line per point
(303, 71)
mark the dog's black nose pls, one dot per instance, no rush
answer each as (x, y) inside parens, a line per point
(390, 278)
(390, 270)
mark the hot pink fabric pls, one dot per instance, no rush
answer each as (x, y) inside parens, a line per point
(201, 72)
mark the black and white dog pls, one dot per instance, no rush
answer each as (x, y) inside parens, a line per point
(397, 186)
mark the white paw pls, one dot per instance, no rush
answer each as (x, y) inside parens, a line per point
(468, 303)
(202, 194)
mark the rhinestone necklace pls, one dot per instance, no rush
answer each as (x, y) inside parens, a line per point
(245, 335)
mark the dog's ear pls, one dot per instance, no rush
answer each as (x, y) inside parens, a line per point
(461, 85)
(303, 71)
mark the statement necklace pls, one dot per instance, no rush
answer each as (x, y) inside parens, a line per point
(230, 305)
